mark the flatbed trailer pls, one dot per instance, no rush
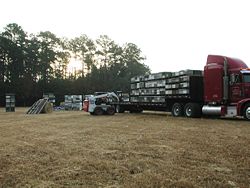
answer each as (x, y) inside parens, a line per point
(222, 89)
(174, 106)
(138, 107)
(184, 87)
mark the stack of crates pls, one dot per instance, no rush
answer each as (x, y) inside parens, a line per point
(77, 102)
(158, 87)
(182, 84)
(10, 102)
(149, 88)
(67, 102)
(51, 98)
(73, 102)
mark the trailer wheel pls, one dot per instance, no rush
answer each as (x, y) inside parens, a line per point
(247, 112)
(177, 110)
(98, 111)
(192, 110)
(110, 110)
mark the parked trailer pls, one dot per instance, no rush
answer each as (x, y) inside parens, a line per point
(179, 89)
(222, 89)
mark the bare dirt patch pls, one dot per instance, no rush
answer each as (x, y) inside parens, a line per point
(75, 149)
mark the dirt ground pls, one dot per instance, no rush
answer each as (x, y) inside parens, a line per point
(75, 149)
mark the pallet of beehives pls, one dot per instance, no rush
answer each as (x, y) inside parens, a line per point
(187, 87)
(157, 76)
(137, 85)
(152, 91)
(134, 99)
(155, 83)
(135, 92)
(190, 72)
(137, 79)
(152, 99)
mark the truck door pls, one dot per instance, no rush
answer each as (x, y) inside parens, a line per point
(246, 84)
(236, 92)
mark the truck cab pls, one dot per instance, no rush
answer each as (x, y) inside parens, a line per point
(240, 85)
(226, 87)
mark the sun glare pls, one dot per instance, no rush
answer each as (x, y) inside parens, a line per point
(74, 65)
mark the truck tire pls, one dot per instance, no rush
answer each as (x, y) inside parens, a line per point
(119, 109)
(192, 110)
(177, 110)
(98, 111)
(110, 110)
(246, 112)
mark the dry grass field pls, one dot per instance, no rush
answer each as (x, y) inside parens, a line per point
(75, 149)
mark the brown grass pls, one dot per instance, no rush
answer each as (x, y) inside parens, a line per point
(75, 149)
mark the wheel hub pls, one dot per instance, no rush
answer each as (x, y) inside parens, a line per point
(177, 110)
(188, 111)
(248, 113)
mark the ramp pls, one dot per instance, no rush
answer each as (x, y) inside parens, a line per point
(37, 107)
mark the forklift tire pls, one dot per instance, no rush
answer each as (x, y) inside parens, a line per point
(119, 109)
(110, 110)
(98, 111)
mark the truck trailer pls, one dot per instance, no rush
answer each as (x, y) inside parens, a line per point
(222, 89)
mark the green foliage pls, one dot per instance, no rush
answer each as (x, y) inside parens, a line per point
(32, 64)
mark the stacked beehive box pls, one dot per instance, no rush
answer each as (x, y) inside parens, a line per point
(179, 84)
(149, 88)
(67, 102)
(10, 102)
(77, 102)
(73, 102)
(160, 86)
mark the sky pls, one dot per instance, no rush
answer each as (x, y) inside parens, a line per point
(173, 34)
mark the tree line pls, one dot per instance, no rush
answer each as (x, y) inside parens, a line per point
(33, 64)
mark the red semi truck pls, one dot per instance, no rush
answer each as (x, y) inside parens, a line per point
(223, 89)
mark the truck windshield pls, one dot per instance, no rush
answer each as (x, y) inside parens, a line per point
(246, 78)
